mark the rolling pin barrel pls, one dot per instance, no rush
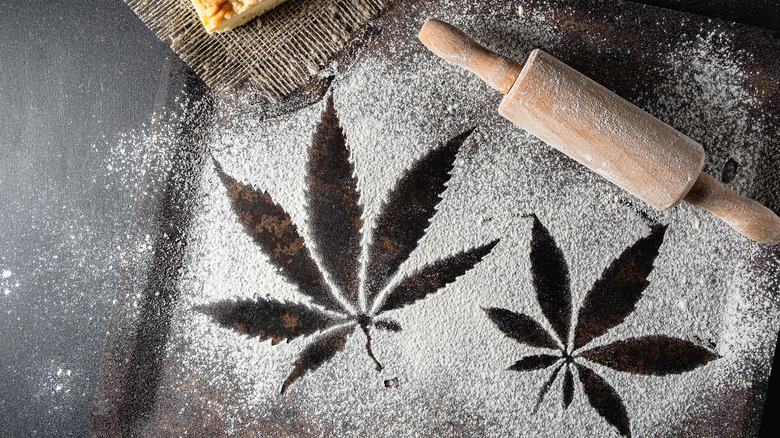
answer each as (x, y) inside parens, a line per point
(603, 131)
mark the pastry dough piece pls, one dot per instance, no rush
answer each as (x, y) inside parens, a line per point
(222, 15)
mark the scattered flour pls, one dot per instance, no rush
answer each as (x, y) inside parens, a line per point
(709, 286)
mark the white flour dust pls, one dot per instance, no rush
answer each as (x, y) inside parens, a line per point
(447, 366)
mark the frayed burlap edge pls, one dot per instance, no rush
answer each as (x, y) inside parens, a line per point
(274, 54)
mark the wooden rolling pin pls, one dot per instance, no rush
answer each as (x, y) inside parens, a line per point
(603, 131)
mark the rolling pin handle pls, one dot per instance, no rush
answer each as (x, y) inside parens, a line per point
(451, 44)
(748, 217)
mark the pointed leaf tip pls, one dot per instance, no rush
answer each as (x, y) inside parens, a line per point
(614, 295)
(388, 325)
(407, 212)
(533, 363)
(461, 138)
(434, 277)
(546, 386)
(551, 280)
(334, 203)
(521, 328)
(604, 399)
(568, 388)
(656, 355)
(318, 353)
(268, 319)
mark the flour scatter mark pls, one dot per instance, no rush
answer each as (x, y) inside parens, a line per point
(730, 169)
(611, 299)
(391, 383)
(336, 225)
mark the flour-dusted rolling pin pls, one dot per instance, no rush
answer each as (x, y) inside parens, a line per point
(603, 131)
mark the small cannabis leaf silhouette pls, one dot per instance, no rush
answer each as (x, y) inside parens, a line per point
(336, 225)
(611, 299)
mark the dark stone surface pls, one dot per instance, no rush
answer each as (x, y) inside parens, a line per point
(77, 78)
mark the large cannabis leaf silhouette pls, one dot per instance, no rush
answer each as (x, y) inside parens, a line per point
(611, 299)
(337, 307)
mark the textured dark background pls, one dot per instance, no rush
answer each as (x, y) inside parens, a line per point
(78, 80)
(75, 75)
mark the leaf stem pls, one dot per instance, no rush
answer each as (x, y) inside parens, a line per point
(364, 322)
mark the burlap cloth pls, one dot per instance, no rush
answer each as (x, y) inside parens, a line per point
(274, 54)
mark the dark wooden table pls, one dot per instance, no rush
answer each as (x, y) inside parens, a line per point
(76, 96)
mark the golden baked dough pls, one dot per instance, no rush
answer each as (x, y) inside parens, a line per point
(222, 15)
